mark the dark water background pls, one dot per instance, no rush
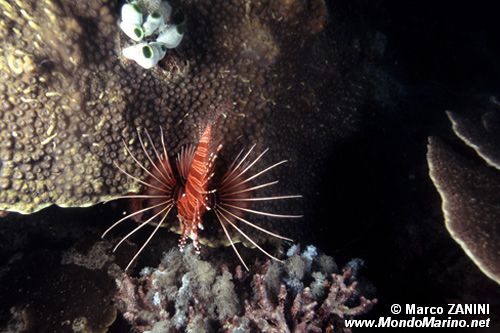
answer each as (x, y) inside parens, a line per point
(444, 55)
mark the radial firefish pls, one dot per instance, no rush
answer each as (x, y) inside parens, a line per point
(187, 188)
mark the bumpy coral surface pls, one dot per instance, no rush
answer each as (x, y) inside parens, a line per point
(306, 293)
(68, 98)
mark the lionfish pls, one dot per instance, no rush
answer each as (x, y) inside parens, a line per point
(187, 189)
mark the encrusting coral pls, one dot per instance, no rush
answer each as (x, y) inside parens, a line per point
(470, 185)
(188, 294)
(480, 131)
(68, 97)
(471, 205)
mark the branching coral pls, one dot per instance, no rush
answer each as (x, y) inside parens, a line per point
(186, 293)
(309, 311)
(306, 314)
(183, 292)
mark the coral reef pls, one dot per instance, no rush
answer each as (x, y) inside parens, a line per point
(69, 98)
(470, 188)
(305, 293)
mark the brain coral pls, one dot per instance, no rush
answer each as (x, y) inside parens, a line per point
(68, 99)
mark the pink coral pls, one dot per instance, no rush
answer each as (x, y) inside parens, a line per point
(305, 314)
(187, 294)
